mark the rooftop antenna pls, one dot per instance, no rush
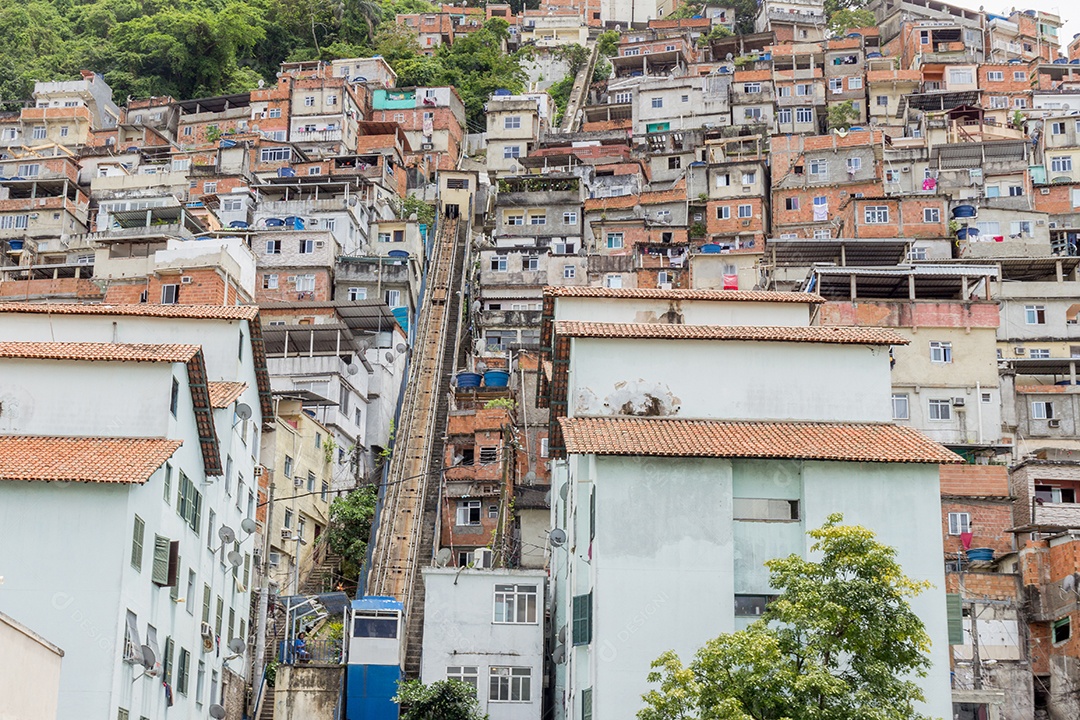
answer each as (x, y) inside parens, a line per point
(442, 558)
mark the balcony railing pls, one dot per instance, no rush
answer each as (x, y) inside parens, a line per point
(316, 135)
(317, 651)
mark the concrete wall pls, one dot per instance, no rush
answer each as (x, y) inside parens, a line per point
(785, 381)
(29, 673)
(308, 693)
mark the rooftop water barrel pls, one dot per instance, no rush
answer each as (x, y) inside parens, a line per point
(967, 233)
(238, 224)
(710, 249)
(15, 244)
(468, 380)
(286, 172)
(274, 222)
(496, 378)
(398, 254)
(964, 211)
(980, 554)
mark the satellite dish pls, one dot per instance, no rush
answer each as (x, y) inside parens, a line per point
(237, 645)
(235, 558)
(401, 347)
(389, 356)
(530, 478)
(248, 525)
(557, 537)
(217, 712)
(243, 411)
(562, 635)
(148, 658)
(1069, 582)
(352, 368)
(442, 558)
(227, 534)
(564, 491)
(364, 345)
(558, 654)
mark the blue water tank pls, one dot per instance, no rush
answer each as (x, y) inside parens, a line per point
(980, 554)
(15, 244)
(286, 172)
(295, 223)
(398, 254)
(711, 249)
(502, 93)
(496, 378)
(227, 143)
(964, 211)
(468, 380)
(1061, 61)
(239, 224)
(274, 222)
(872, 55)
(967, 233)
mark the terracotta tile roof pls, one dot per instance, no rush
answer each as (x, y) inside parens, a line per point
(658, 294)
(216, 312)
(815, 334)
(715, 438)
(98, 352)
(203, 312)
(224, 393)
(92, 459)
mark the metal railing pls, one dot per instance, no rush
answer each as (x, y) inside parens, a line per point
(316, 651)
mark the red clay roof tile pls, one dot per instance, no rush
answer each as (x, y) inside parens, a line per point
(91, 459)
(660, 294)
(104, 352)
(665, 331)
(761, 439)
(224, 393)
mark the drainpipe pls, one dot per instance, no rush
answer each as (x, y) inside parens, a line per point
(978, 410)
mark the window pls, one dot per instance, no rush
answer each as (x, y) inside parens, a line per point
(200, 682)
(751, 88)
(301, 524)
(309, 101)
(751, 605)
(818, 167)
(275, 154)
(393, 298)
(854, 83)
(998, 102)
(614, 241)
(174, 396)
(182, 672)
(749, 178)
(854, 164)
(746, 211)
(211, 520)
(1019, 103)
(900, 409)
(723, 212)
(189, 502)
(931, 215)
(510, 684)
(1057, 128)
(569, 218)
(274, 112)
(513, 122)
(270, 282)
(167, 661)
(515, 219)
(791, 203)
(530, 262)
(804, 115)
(657, 102)
(288, 517)
(305, 283)
(515, 604)
(1021, 228)
(1035, 314)
(232, 204)
(581, 624)
(1056, 493)
(876, 214)
(511, 151)
(995, 76)
(1042, 410)
(764, 509)
(498, 263)
(137, 533)
(752, 113)
(623, 97)
(468, 512)
(836, 84)
(464, 673)
(783, 116)
(959, 522)
(325, 490)
(537, 219)
(307, 247)
(941, 352)
(316, 170)
(674, 163)
(1019, 75)
(586, 704)
(331, 99)
(170, 294)
(684, 98)
(273, 247)
(961, 76)
(569, 272)
(613, 281)
(1039, 353)
(940, 410)
(167, 484)
(1061, 630)
(1061, 163)
(38, 133)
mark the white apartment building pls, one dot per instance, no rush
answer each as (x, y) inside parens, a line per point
(129, 438)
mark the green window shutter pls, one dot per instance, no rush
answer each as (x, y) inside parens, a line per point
(168, 483)
(592, 514)
(174, 589)
(182, 673)
(160, 574)
(206, 603)
(220, 613)
(181, 496)
(137, 534)
(955, 612)
(167, 661)
(586, 704)
(582, 623)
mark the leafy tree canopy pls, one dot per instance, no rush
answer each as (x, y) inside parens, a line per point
(350, 524)
(839, 642)
(846, 18)
(842, 115)
(442, 700)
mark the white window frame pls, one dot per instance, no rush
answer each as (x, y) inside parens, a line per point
(941, 352)
(504, 682)
(959, 523)
(931, 215)
(1035, 314)
(569, 272)
(512, 122)
(1042, 410)
(512, 605)
(939, 407)
(746, 211)
(464, 511)
(804, 115)
(876, 214)
(615, 241)
(901, 400)
(995, 76)
(1061, 163)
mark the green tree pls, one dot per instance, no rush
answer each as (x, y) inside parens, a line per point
(847, 18)
(477, 66)
(840, 642)
(842, 115)
(349, 527)
(608, 43)
(442, 700)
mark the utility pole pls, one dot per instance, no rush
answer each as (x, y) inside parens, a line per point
(264, 595)
(976, 665)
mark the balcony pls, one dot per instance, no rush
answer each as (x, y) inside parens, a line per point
(316, 135)
(372, 270)
(57, 114)
(513, 318)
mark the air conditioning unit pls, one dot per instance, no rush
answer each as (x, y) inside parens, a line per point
(1018, 350)
(258, 470)
(484, 558)
(905, 169)
(665, 286)
(1044, 191)
(298, 482)
(286, 534)
(427, 146)
(1052, 224)
(206, 630)
(958, 402)
(320, 243)
(1040, 223)
(273, 559)
(132, 653)
(185, 280)
(1053, 422)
